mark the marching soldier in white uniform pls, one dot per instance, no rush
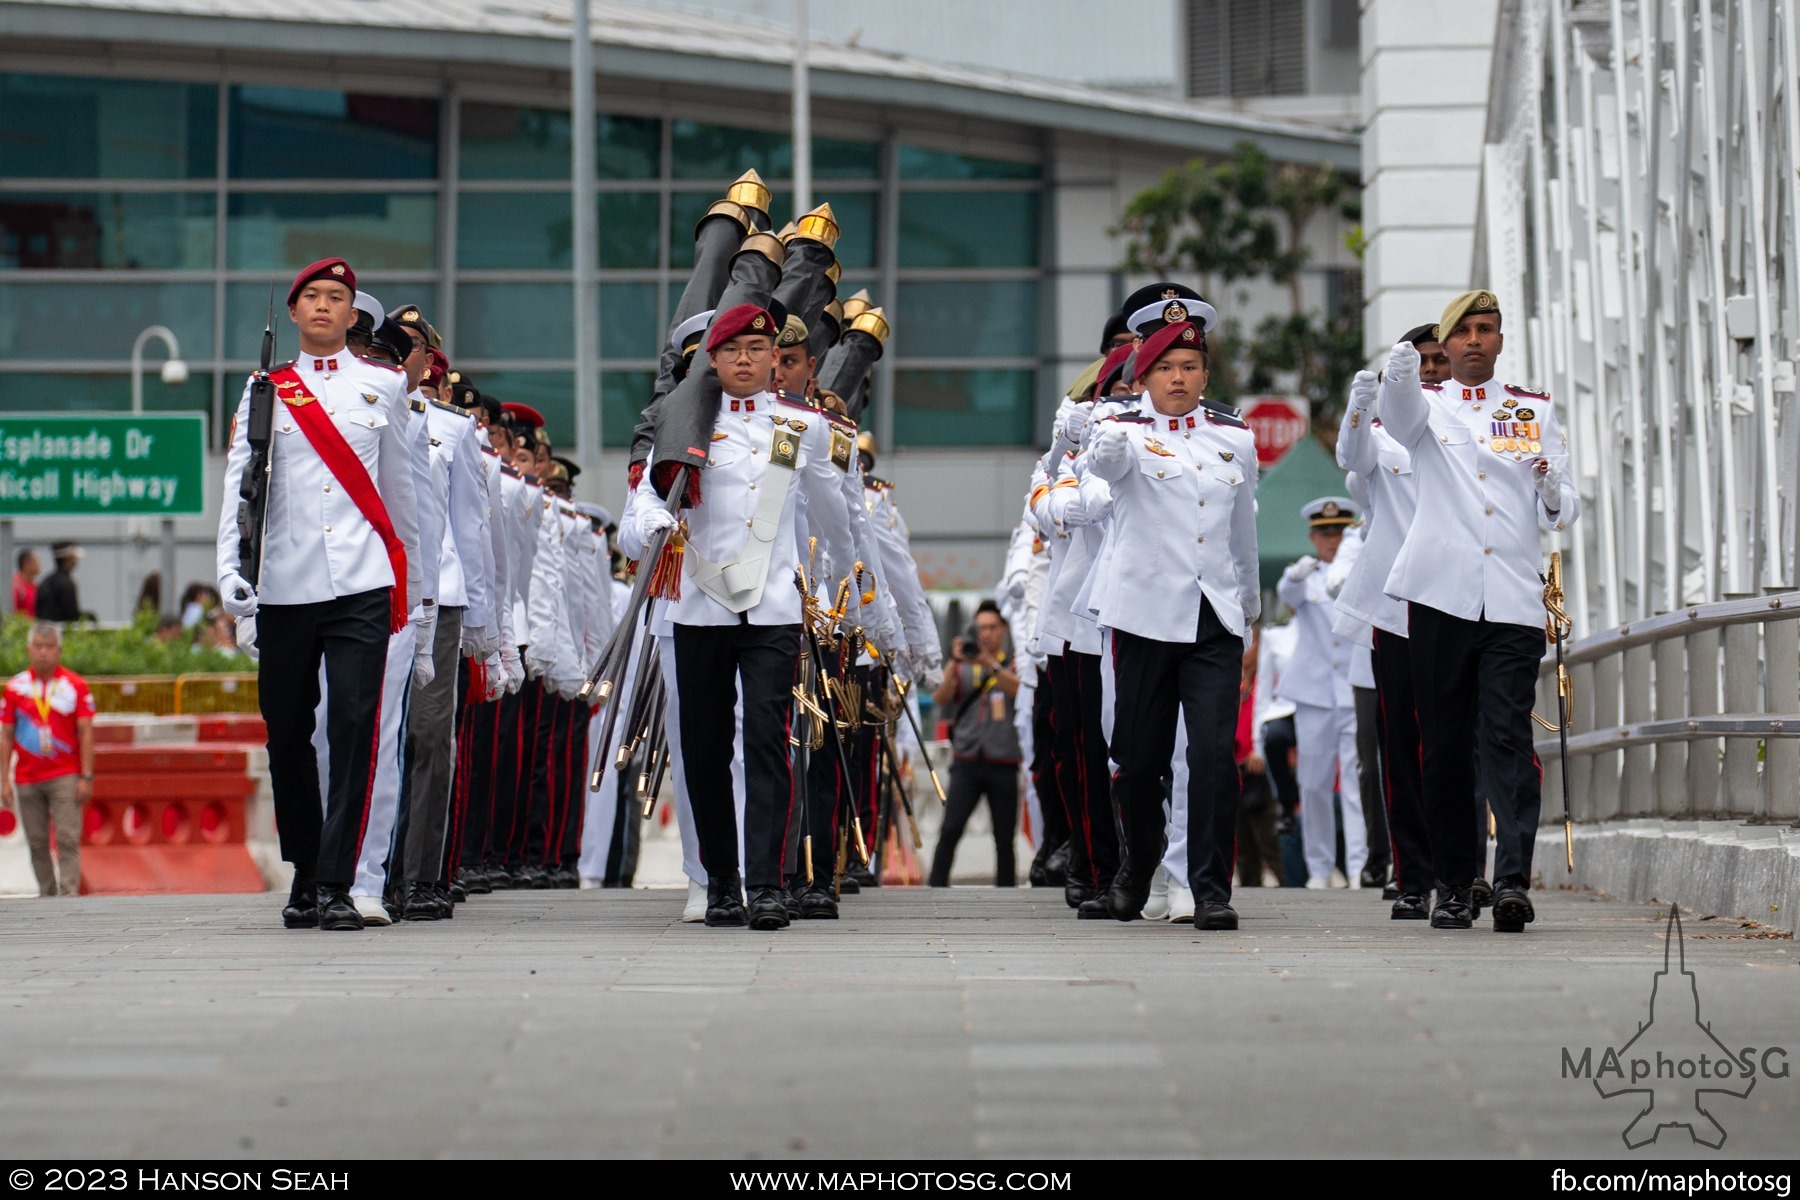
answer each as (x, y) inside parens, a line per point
(340, 567)
(1179, 593)
(737, 619)
(1317, 681)
(1492, 470)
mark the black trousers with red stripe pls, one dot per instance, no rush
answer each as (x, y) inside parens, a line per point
(1402, 786)
(1475, 682)
(1052, 811)
(711, 663)
(1082, 774)
(351, 634)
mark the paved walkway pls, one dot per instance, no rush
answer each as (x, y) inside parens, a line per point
(926, 1024)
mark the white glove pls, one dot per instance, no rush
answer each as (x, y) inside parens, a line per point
(1362, 388)
(1110, 453)
(1302, 568)
(424, 623)
(246, 637)
(1403, 363)
(1012, 589)
(928, 658)
(1547, 478)
(513, 669)
(236, 595)
(496, 676)
(656, 518)
(1075, 425)
(932, 680)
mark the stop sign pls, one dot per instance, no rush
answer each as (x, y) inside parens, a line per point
(1277, 423)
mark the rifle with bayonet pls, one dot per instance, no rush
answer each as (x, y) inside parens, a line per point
(259, 429)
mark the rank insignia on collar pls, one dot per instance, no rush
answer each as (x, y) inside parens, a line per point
(1156, 447)
(1225, 454)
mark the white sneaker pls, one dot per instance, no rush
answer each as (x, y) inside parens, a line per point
(1315, 884)
(590, 884)
(696, 903)
(1337, 879)
(373, 911)
(1181, 904)
(1354, 882)
(1157, 906)
(1270, 879)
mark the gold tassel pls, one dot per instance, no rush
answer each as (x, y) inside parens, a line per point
(665, 580)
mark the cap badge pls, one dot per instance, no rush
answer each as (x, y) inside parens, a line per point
(1177, 311)
(758, 323)
(411, 314)
(1330, 509)
(1187, 335)
(1170, 293)
(338, 270)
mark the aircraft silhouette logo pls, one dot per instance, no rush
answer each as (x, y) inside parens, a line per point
(1680, 1049)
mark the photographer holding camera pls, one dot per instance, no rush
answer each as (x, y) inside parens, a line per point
(978, 692)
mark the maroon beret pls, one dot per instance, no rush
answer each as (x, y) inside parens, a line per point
(1177, 335)
(523, 414)
(1110, 369)
(744, 318)
(436, 367)
(334, 269)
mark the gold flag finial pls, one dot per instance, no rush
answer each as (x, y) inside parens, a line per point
(750, 191)
(857, 305)
(873, 322)
(819, 225)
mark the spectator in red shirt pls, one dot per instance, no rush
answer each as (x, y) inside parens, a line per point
(25, 583)
(47, 715)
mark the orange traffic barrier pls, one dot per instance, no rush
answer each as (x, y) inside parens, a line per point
(169, 819)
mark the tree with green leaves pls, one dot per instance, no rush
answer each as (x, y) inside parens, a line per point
(1226, 221)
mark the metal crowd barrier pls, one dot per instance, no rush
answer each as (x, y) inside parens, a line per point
(1689, 714)
(175, 695)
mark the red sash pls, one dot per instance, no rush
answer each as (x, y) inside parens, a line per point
(342, 462)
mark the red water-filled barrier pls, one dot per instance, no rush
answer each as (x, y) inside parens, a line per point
(169, 818)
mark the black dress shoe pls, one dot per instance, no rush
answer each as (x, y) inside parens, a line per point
(567, 877)
(1215, 914)
(540, 879)
(848, 885)
(1410, 906)
(816, 904)
(725, 901)
(420, 904)
(1076, 893)
(865, 877)
(1391, 891)
(446, 906)
(1056, 870)
(459, 890)
(1373, 877)
(1481, 895)
(1453, 911)
(1129, 893)
(336, 909)
(766, 909)
(474, 881)
(302, 908)
(1039, 875)
(1512, 906)
(1094, 908)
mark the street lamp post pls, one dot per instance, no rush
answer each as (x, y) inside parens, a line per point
(174, 373)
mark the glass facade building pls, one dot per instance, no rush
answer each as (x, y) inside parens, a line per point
(126, 203)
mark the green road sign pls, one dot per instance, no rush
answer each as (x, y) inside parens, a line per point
(104, 465)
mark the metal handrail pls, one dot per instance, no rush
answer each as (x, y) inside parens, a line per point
(1688, 714)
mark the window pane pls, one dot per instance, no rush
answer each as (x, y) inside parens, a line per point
(247, 307)
(630, 147)
(968, 320)
(963, 408)
(41, 392)
(502, 141)
(629, 229)
(550, 392)
(100, 320)
(685, 211)
(941, 164)
(266, 230)
(628, 321)
(125, 230)
(704, 151)
(514, 231)
(67, 127)
(623, 395)
(855, 213)
(968, 229)
(514, 320)
(301, 133)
